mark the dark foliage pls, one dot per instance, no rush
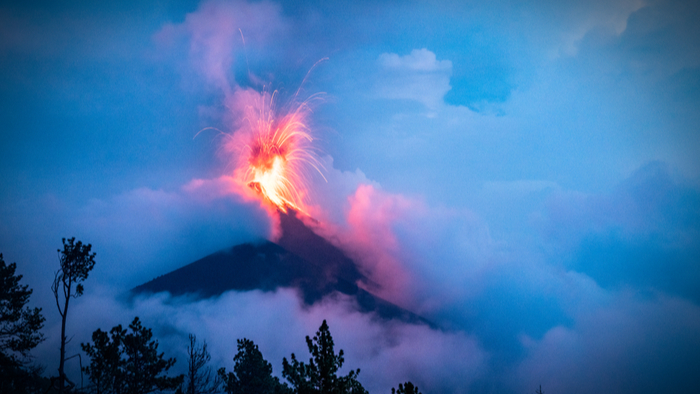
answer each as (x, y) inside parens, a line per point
(199, 378)
(319, 376)
(76, 262)
(23, 379)
(252, 374)
(406, 388)
(19, 331)
(19, 326)
(127, 363)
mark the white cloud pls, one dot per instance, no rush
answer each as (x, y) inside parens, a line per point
(418, 76)
(387, 352)
(418, 60)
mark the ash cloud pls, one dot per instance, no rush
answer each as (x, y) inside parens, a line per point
(218, 31)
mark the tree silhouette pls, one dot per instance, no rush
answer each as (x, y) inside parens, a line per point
(539, 391)
(252, 374)
(199, 380)
(128, 363)
(319, 376)
(406, 388)
(76, 262)
(105, 360)
(19, 329)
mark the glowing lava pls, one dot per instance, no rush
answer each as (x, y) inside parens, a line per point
(275, 152)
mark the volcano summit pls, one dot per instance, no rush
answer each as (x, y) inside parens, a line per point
(301, 260)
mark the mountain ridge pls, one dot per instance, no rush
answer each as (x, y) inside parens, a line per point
(300, 259)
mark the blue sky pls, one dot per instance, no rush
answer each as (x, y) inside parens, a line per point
(534, 167)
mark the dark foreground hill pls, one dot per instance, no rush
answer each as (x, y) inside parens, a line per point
(300, 259)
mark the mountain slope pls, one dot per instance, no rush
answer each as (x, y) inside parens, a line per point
(301, 259)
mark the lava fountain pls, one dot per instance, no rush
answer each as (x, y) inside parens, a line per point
(274, 151)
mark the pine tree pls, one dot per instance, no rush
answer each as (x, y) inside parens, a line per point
(252, 374)
(406, 388)
(319, 376)
(76, 262)
(124, 362)
(19, 330)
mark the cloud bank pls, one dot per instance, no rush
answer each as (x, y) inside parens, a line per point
(524, 176)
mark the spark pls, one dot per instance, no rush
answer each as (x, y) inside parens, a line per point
(275, 153)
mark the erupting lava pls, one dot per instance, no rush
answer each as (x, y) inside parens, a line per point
(275, 152)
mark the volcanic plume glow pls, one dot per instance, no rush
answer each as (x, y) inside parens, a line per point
(274, 151)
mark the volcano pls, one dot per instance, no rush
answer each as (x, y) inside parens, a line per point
(301, 260)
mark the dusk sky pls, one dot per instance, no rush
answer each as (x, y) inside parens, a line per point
(524, 175)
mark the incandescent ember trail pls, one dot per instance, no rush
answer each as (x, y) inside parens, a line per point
(275, 152)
